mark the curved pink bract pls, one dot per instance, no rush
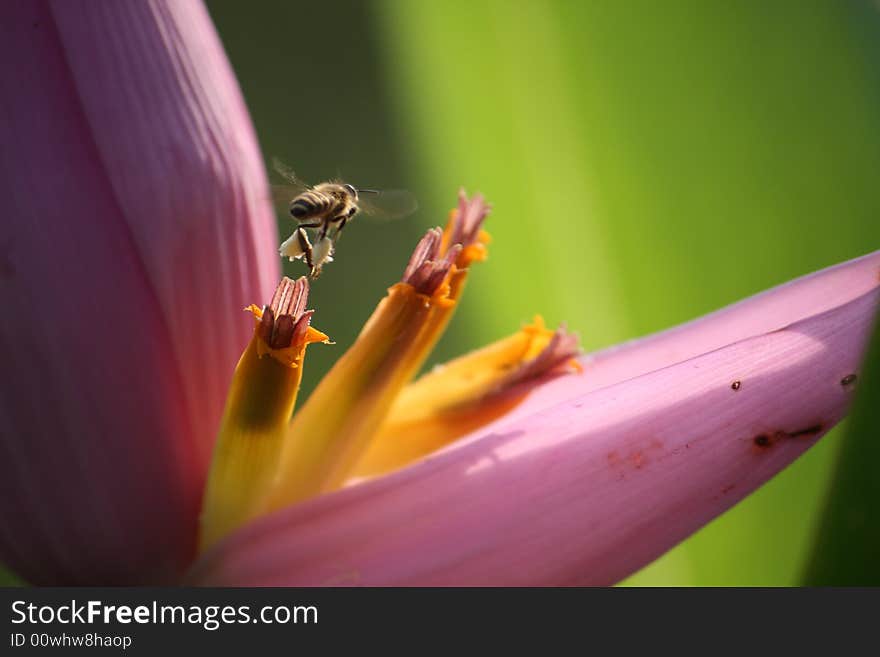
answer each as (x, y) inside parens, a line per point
(134, 203)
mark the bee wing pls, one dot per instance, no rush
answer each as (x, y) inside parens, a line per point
(287, 173)
(387, 204)
(283, 194)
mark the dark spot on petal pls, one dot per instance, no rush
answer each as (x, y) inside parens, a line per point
(765, 440)
(809, 431)
(638, 457)
(848, 380)
(736, 385)
(727, 489)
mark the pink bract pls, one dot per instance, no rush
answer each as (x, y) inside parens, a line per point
(601, 474)
(135, 211)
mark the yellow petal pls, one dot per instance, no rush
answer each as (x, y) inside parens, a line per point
(465, 394)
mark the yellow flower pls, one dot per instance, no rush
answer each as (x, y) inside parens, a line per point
(366, 417)
(261, 398)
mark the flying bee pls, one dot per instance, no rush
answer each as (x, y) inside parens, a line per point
(326, 208)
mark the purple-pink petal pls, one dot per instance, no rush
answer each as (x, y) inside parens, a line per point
(589, 489)
(135, 209)
(772, 309)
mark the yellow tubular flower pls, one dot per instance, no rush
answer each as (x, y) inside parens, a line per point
(466, 393)
(331, 432)
(261, 398)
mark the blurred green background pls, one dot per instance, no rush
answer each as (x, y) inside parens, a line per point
(647, 162)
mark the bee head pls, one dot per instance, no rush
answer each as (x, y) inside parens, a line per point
(351, 191)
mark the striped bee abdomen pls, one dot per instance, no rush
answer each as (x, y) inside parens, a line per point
(310, 204)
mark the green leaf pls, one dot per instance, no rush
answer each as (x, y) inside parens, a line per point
(847, 546)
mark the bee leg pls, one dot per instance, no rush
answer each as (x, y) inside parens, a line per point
(315, 270)
(332, 222)
(305, 246)
(342, 219)
(339, 228)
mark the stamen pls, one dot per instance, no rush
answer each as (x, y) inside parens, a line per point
(427, 249)
(426, 270)
(283, 327)
(330, 433)
(285, 317)
(465, 228)
(559, 354)
(466, 394)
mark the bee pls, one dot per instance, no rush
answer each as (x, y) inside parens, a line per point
(326, 209)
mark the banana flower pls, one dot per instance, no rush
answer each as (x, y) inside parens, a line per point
(134, 450)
